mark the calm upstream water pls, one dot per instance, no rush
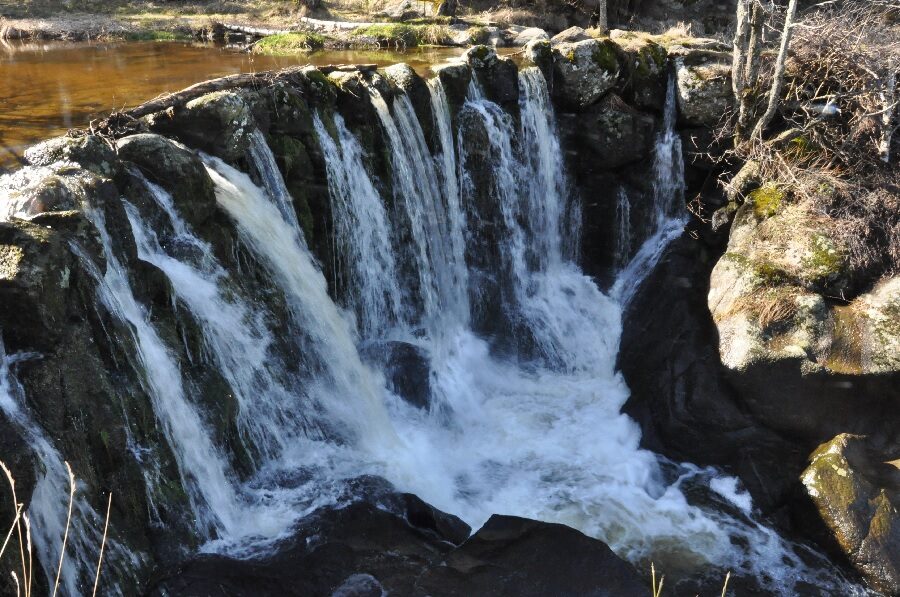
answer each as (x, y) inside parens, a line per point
(49, 88)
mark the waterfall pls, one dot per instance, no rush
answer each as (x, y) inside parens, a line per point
(417, 188)
(623, 227)
(669, 213)
(362, 232)
(234, 333)
(548, 193)
(345, 388)
(263, 162)
(449, 171)
(49, 503)
(204, 473)
(535, 430)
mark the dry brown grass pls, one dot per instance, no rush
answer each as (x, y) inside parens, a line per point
(24, 586)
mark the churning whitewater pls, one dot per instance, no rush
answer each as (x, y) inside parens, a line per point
(524, 412)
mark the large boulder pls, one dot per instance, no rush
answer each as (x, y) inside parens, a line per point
(526, 36)
(569, 36)
(164, 161)
(646, 75)
(89, 151)
(405, 547)
(455, 78)
(584, 71)
(219, 123)
(772, 296)
(498, 77)
(407, 368)
(857, 493)
(614, 134)
(704, 87)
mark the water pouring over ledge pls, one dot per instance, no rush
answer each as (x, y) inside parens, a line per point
(541, 435)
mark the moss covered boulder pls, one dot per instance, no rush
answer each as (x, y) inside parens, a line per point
(584, 71)
(856, 491)
(219, 123)
(806, 356)
(703, 86)
(645, 63)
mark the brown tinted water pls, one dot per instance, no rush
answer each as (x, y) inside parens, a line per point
(46, 89)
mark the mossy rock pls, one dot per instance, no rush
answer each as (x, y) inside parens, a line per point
(584, 71)
(289, 43)
(396, 35)
(856, 496)
(766, 200)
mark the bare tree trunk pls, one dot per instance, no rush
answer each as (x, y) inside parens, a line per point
(887, 118)
(778, 77)
(739, 63)
(447, 8)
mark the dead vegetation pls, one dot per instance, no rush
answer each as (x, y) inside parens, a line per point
(830, 140)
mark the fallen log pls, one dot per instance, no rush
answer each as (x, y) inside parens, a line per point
(182, 97)
(320, 25)
(255, 31)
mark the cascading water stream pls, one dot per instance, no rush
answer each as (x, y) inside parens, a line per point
(262, 160)
(362, 230)
(668, 218)
(417, 187)
(537, 436)
(48, 507)
(344, 387)
(623, 228)
(449, 172)
(234, 332)
(205, 476)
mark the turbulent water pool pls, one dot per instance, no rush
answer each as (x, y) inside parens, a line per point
(49, 88)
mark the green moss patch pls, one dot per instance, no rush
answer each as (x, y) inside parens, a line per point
(289, 43)
(605, 56)
(766, 201)
(390, 34)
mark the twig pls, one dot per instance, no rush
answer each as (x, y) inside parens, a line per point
(62, 551)
(102, 545)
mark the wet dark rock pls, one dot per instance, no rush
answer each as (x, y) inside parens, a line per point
(362, 548)
(614, 133)
(518, 557)
(455, 78)
(407, 368)
(856, 490)
(499, 77)
(680, 394)
(177, 169)
(584, 71)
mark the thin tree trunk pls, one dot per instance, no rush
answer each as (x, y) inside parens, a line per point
(778, 77)
(750, 77)
(887, 118)
(739, 62)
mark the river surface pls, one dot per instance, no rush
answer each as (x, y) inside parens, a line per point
(49, 88)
